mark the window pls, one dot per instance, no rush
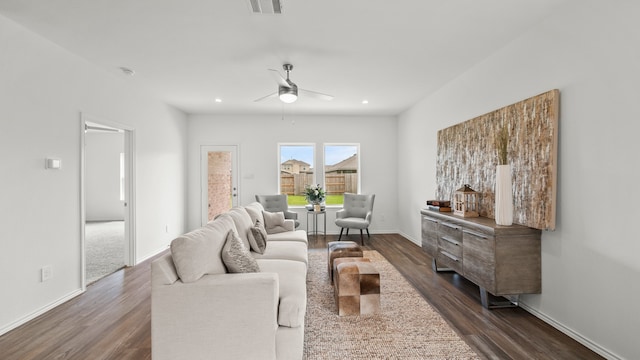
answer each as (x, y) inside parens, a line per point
(341, 171)
(296, 171)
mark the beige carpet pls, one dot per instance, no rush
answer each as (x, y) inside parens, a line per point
(407, 327)
(104, 249)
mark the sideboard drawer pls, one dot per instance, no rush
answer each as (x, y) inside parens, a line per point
(447, 259)
(451, 230)
(450, 245)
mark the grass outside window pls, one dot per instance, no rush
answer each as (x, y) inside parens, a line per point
(299, 200)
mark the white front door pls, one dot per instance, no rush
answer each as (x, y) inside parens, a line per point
(219, 180)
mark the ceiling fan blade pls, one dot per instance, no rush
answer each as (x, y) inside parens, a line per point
(316, 94)
(275, 94)
(279, 78)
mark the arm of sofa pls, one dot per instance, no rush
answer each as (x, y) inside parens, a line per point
(233, 316)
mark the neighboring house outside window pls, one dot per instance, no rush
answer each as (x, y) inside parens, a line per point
(341, 171)
(296, 170)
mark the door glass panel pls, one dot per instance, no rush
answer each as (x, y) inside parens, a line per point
(218, 180)
(220, 187)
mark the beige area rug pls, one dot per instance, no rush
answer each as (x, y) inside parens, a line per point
(407, 327)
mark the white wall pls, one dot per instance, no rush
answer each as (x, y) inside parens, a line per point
(590, 267)
(102, 176)
(43, 90)
(258, 136)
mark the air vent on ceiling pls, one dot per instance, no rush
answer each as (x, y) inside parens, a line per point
(265, 6)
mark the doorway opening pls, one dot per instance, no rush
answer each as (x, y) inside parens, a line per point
(107, 218)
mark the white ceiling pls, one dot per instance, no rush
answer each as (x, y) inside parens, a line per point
(392, 53)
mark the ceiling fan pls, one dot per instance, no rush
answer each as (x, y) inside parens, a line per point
(288, 91)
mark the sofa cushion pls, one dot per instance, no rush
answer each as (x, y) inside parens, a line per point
(259, 237)
(243, 223)
(284, 250)
(255, 210)
(199, 252)
(297, 235)
(236, 256)
(292, 304)
(274, 222)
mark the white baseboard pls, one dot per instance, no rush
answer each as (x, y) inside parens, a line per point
(40, 311)
(406, 236)
(571, 333)
(152, 254)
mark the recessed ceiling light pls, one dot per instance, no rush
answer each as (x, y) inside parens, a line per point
(218, 100)
(365, 101)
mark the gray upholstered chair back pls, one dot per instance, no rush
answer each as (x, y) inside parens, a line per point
(276, 203)
(273, 203)
(358, 205)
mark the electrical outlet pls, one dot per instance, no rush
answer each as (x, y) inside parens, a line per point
(46, 272)
(166, 229)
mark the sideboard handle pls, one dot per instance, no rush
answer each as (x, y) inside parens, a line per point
(450, 256)
(430, 219)
(450, 225)
(450, 240)
(480, 235)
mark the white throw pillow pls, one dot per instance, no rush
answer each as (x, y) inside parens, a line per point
(274, 222)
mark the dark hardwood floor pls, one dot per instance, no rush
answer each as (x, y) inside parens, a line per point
(112, 319)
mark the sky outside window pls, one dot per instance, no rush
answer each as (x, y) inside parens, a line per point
(297, 152)
(333, 154)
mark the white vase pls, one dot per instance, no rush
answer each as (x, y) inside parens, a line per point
(504, 196)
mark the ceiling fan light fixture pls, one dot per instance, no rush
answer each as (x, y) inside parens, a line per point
(288, 95)
(288, 98)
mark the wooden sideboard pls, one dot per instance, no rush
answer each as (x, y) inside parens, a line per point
(501, 260)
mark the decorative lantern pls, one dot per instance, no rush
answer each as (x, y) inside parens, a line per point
(465, 202)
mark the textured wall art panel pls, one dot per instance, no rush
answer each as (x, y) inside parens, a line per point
(467, 155)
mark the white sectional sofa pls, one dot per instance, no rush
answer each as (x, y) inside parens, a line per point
(213, 300)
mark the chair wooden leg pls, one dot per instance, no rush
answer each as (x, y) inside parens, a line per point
(347, 234)
(361, 238)
(369, 236)
(342, 229)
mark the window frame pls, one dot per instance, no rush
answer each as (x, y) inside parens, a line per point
(313, 164)
(324, 165)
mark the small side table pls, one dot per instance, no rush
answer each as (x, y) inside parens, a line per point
(315, 221)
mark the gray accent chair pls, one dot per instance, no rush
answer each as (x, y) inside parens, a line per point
(355, 214)
(276, 203)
